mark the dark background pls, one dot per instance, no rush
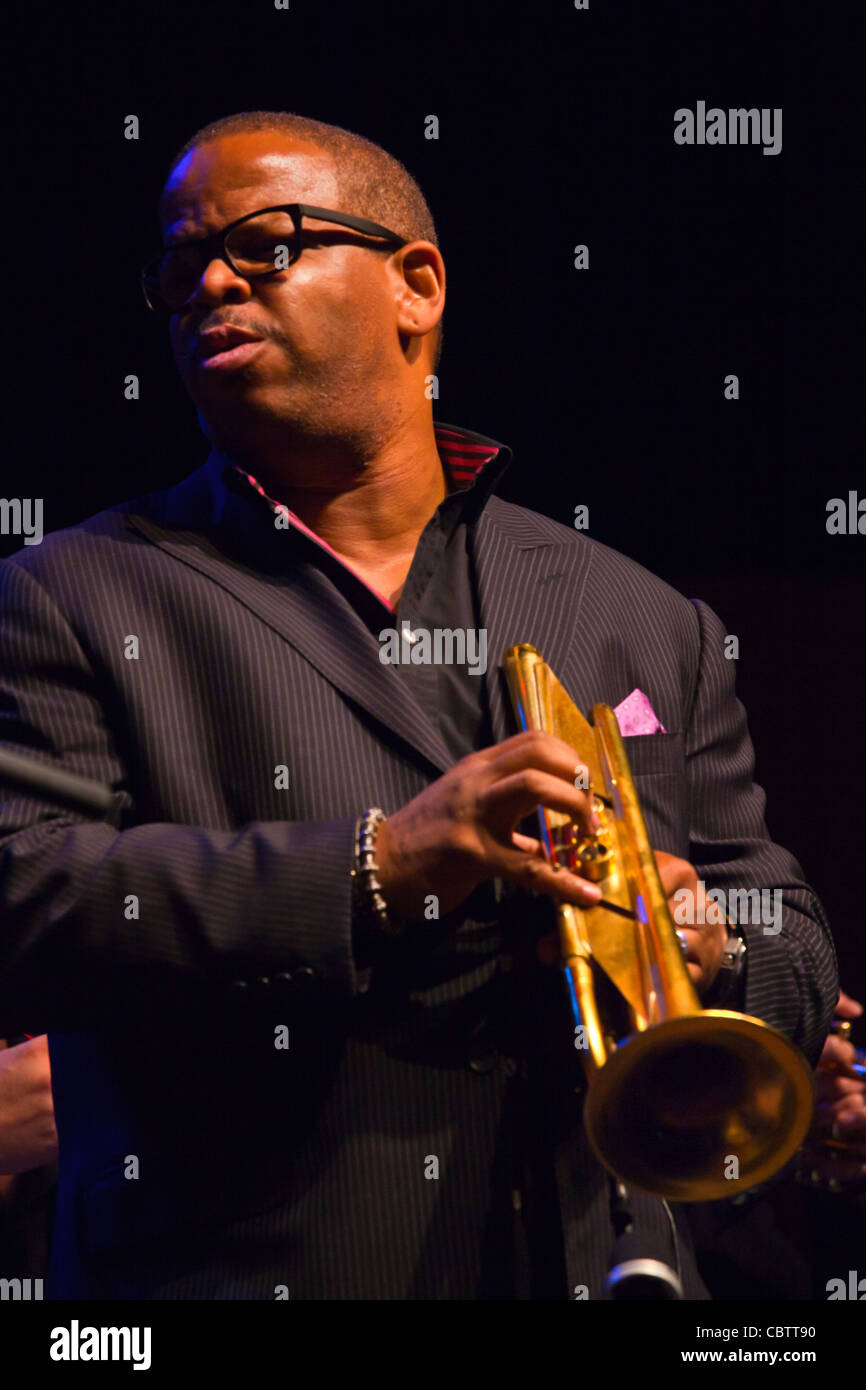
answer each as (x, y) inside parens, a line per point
(556, 128)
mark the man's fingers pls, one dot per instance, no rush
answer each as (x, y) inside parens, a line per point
(850, 1122)
(839, 1086)
(527, 843)
(837, 1052)
(545, 752)
(532, 748)
(510, 799)
(533, 872)
(674, 873)
(692, 940)
(846, 1116)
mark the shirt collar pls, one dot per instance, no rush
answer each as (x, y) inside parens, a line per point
(473, 465)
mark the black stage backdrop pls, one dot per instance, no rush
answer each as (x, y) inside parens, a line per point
(556, 127)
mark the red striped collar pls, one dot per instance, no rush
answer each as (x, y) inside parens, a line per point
(463, 456)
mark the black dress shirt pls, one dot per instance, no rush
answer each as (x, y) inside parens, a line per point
(504, 996)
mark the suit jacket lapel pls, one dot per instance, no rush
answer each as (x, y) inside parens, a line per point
(299, 602)
(530, 583)
(531, 578)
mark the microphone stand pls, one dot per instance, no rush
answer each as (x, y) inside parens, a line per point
(639, 1266)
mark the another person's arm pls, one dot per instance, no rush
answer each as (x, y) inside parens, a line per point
(28, 1137)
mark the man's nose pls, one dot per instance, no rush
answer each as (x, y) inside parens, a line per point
(217, 283)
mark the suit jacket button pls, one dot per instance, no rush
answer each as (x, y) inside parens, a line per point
(483, 1062)
(282, 981)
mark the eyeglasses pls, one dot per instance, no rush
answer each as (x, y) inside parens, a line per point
(255, 246)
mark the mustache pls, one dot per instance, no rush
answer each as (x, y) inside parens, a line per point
(224, 319)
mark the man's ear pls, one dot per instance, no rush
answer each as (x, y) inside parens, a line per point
(422, 288)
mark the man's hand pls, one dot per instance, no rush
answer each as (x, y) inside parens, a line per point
(461, 830)
(701, 922)
(706, 933)
(28, 1137)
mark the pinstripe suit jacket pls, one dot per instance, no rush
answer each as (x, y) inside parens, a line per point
(162, 946)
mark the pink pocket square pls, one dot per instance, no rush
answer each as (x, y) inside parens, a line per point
(635, 715)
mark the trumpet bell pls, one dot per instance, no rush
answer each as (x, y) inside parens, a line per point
(699, 1107)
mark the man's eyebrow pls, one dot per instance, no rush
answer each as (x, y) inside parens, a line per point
(185, 241)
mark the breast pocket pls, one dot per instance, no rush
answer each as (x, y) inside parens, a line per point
(658, 766)
(655, 755)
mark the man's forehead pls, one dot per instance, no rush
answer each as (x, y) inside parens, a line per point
(232, 175)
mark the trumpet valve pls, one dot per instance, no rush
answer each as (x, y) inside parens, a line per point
(593, 859)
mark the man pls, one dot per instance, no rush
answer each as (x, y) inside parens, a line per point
(275, 1074)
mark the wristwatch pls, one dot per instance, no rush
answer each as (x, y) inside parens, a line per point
(732, 964)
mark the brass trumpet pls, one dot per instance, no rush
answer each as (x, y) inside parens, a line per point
(686, 1103)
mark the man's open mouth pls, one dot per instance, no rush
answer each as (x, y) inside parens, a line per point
(226, 347)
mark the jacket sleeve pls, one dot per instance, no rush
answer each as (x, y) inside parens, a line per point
(98, 916)
(791, 976)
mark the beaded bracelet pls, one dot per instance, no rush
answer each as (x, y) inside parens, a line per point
(368, 902)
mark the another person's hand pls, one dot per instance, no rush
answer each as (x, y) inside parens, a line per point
(840, 1109)
(834, 1154)
(28, 1137)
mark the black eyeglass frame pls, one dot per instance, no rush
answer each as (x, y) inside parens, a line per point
(297, 211)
